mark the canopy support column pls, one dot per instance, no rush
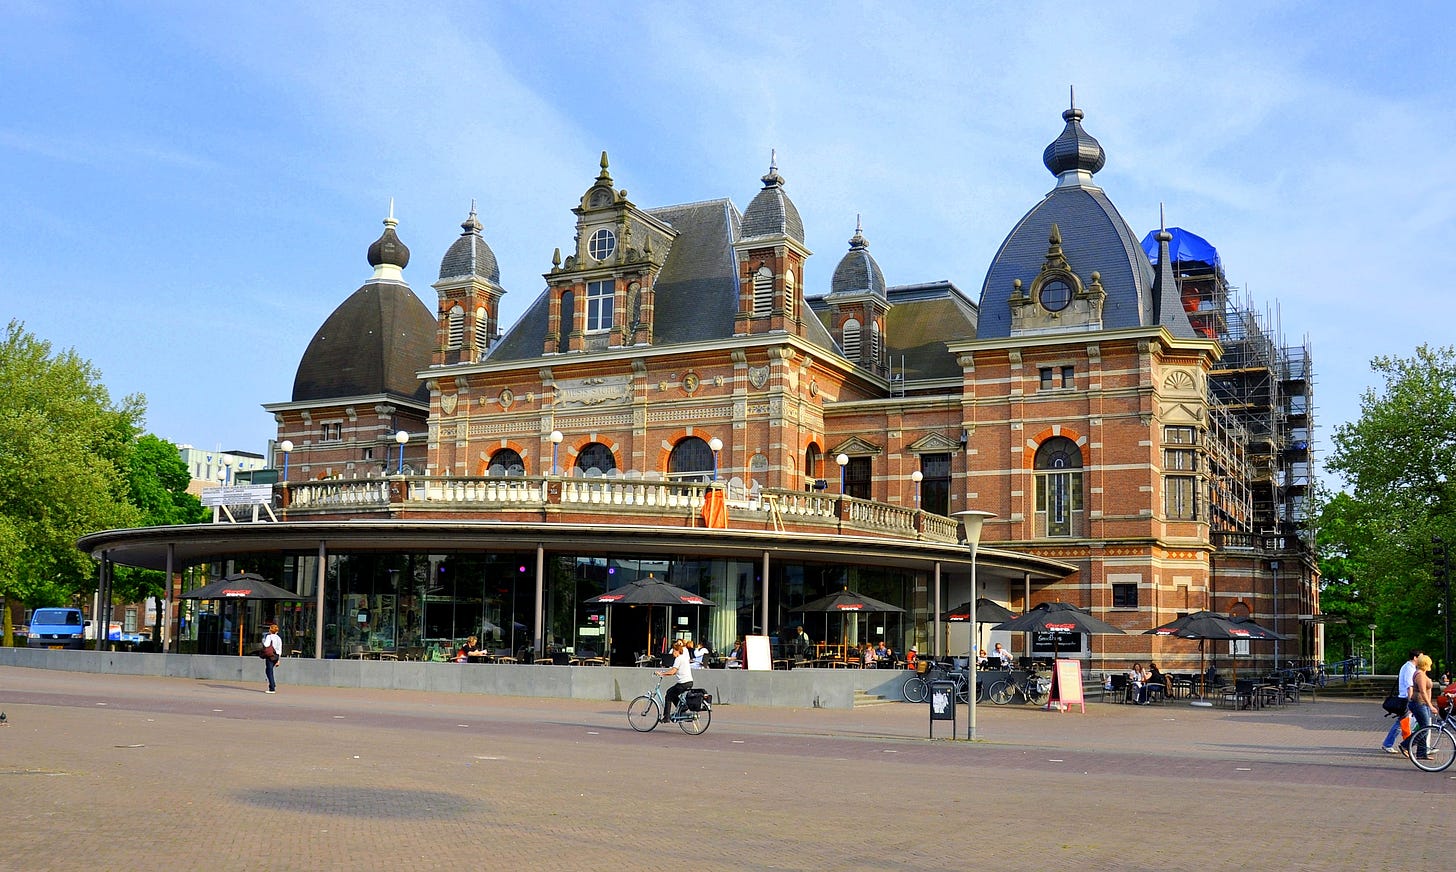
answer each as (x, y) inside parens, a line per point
(318, 612)
(540, 599)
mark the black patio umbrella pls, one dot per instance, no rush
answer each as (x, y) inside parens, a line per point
(1211, 625)
(649, 591)
(987, 612)
(241, 585)
(1058, 618)
(844, 602)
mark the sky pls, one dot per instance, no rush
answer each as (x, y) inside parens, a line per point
(191, 187)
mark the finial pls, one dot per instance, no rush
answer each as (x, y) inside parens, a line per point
(858, 225)
(773, 160)
(604, 176)
(1071, 96)
(390, 222)
(1162, 220)
(857, 241)
(773, 179)
(556, 258)
(472, 223)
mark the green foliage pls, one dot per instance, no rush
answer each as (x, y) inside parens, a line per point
(158, 481)
(1399, 460)
(62, 467)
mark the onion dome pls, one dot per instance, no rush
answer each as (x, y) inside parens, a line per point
(469, 256)
(376, 341)
(1075, 149)
(387, 250)
(772, 214)
(857, 272)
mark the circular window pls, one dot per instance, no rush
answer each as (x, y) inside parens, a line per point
(602, 244)
(1055, 295)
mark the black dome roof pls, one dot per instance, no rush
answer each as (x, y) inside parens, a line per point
(772, 213)
(470, 255)
(857, 271)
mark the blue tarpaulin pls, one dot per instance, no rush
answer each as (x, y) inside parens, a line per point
(1184, 247)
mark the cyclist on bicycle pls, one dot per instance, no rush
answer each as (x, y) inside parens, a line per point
(682, 667)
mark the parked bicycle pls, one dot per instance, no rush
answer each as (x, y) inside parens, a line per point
(1033, 688)
(693, 713)
(917, 687)
(1433, 747)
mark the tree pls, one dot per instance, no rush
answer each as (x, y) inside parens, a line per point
(157, 479)
(1399, 460)
(62, 470)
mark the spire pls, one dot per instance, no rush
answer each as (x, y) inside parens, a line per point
(471, 225)
(1167, 307)
(388, 255)
(773, 179)
(857, 242)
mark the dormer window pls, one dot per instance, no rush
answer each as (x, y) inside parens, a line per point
(599, 297)
(1055, 295)
(602, 244)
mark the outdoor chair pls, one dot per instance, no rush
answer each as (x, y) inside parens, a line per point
(1120, 691)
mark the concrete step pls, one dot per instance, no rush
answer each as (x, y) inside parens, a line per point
(864, 698)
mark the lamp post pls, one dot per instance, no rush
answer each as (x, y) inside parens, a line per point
(286, 446)
(974, 520)
(843, 461)
(556, 437)
(717, 445)
(917, 476)
(403, 439)
(1372, 649)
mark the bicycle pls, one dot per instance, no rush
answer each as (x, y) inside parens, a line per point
(1033, 688)
(917, 687)
(1439, 741)
(645, 712)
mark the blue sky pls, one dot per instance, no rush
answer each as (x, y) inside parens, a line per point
(190, 187)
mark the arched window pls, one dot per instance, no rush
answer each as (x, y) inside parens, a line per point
(568, 320)
(482, 333)
(874, 342)
(762, 291)
(812, 459)
(851, 339)
(506, 462)
(595, 455)
(1059, 488)
(691, 460)
(758, 467)
(456, 322)
(789, 293)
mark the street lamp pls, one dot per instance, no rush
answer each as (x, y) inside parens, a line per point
(843, 461)
(1372, 649)
(717, 445)
(974, 520)
(286, 446)
(402, 438)
(556, 437)
(917, 476)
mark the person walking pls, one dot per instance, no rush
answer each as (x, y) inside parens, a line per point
(1420, 706)
(1403, 690)
(682, 667)
(272, 650)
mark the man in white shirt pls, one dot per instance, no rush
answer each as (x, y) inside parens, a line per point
(682, 667)
(1403, 689)
(272, 640)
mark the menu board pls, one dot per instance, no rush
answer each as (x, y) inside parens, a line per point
(1067, 684)
(760, 655)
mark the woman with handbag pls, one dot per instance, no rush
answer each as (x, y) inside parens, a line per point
(1402, 691)
(272, 650)
(1420, 706)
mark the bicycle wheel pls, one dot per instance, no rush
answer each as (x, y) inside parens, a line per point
(1432, 748)
(961, 695)
(642, 714)
(1002, 691)
(1039, 691)
(694, 723)
(914, 689)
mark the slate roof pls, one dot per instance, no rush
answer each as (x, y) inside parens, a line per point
(470, 255)
(922, 319)
(1095, 238)
(772, 214)
(857, 271)
(372, 344)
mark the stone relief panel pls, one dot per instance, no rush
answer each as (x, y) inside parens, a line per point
(594, 392)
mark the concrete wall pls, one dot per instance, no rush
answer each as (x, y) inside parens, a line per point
(797, 688)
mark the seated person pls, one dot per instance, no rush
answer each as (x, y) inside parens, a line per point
(700, 655)
(982, 661)
(867, 655)
(1001, 655)
(1155, 682)
(1136, 680)
(738, 656)
(910, 655)
(885, 654)
(1211, 678)
(466, 648)
(801, 644)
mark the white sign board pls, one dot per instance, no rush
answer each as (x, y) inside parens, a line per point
(242, 495)
(760, 655)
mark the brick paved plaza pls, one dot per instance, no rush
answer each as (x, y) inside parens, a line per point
(114, 772)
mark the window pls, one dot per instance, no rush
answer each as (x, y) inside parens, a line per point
(331, 433)
(1124, 596)
(935, 486)
(1180, 497)
(599, 296)
(691, 460)
(812, 459)
(1054, 377)
(482, 332)
(1179, 435)
(1179, 460)
(789, 293)
(857, 478)
(568, 322)
(595, 456)
(874, 342)
(601, 244)
(851, 339)
(506, 462)
(456, 324)
(1058, 487)
(368, 453)
(1055, 295)
(762, 292)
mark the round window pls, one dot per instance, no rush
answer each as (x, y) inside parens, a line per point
(602, 244)
(1055, 295)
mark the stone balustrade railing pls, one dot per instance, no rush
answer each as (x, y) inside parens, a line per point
(620, 495)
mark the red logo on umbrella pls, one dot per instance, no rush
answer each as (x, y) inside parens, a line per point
(692, 600)
(850, 607)
(243, 592)
(1063, 627)
(609, 597)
